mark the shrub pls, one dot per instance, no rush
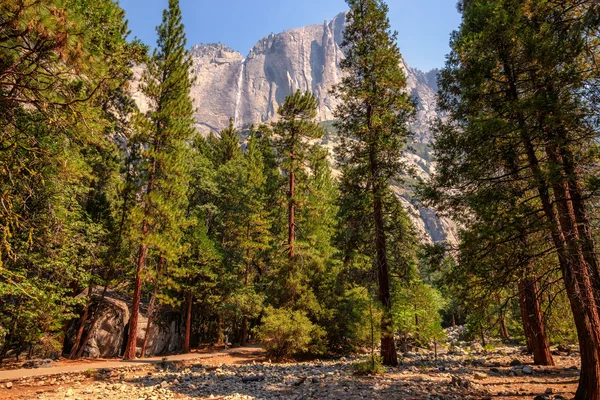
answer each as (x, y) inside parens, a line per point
(371, 366)
(284, 332)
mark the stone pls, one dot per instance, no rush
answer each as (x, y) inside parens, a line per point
(9, 385)
(548, 391)
(515, 362)
(527, 370)
(479, 376)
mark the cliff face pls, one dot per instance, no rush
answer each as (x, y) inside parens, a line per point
(250, 89)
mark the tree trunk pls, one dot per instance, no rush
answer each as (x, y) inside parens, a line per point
(291, 212)
(244, 338)
(525, 318)
(188, 323)
(84, 318)
(150, 316)
(220, 334)
(135, 306)
(535, 328)
(576, 204)
(88, 335)
(501, 320)
(388, 347)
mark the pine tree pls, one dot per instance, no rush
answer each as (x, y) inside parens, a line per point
(372, 119)
(163, 134)
(294, 128)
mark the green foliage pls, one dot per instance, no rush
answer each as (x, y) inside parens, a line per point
(416, 313)
(371, 366)
(285, 332)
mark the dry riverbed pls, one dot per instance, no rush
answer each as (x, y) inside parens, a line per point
(468, 373)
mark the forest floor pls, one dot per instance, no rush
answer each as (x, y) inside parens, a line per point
(469, 373)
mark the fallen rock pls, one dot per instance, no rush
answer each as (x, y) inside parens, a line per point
(9, 385)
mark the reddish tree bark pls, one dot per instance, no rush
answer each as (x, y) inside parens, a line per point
(150, 316)
(291, 210)
(188, 323)
(88, 335)
(388, 346)
(135, 305)
(533, 322)
(84, 318)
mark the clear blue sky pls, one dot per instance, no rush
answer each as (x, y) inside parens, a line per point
(423, 25)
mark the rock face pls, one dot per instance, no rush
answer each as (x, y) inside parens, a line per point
(250, 89)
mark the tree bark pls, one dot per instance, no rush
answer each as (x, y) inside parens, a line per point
(135, 305)
(88, 335)
(388, 347)
(84, 318)
(150, 316)
(534, 326)
(188, 323)
(291, 211)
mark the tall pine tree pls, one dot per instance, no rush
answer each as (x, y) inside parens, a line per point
(163, 133)
(372, 120)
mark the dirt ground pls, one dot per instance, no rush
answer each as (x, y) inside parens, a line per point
(452, 376)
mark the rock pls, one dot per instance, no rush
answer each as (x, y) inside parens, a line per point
(541, 397)
(479, 376)
(255, 378)
(476, 347)
(164, 384)
(548, 391)
(9, 385)
(69, 393)
(527, 370)
(495, 370)
(515, 362)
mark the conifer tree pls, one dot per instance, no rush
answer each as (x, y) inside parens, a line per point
(294, 128)
(372, 120)
(163, 133)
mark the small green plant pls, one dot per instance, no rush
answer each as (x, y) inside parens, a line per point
(489, 347)
(371, 366)
(90, 373)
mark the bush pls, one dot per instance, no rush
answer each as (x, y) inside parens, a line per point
(285, 332)
(371, 366)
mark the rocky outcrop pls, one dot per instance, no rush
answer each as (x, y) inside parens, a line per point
(110, 329)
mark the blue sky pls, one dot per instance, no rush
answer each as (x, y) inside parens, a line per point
(423, 26)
